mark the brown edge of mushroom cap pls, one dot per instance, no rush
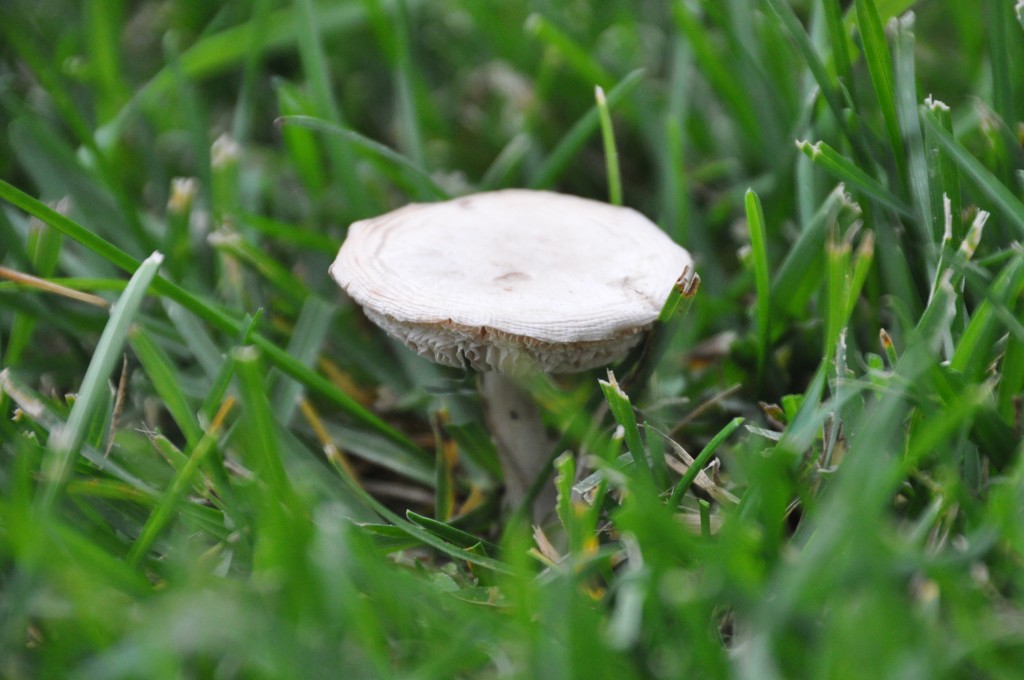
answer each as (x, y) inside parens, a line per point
(489, 349)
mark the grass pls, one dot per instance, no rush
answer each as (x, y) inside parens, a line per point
(211, 465)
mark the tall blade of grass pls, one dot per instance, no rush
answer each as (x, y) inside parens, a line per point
(167, 506)
(579, 59)
(307, 339)
(163, 376)
(800, 273)
(512, 154)
(314, 64)
(424, 536)
(66, 441)
(1011, 379)
(999, 23)
(446, 456)
(216, 52)
(393, 27)
(839, 40)
(57, 171)
(846, 277)
(676, 210)
(207, 312)
(103, 21)
(702, 459)
(199, 343)
(296, 235)
(451, 534)
(279, 276)
(945, 178)
(973, 352)
(717, 72)
(263, 448)
(43, 247)
(862, 260)
(248, 92)
(876, 53)
(55, 87)
(792, 27)
(838, 258)
(622, 410)
(304, 151)
(908, 113)
(1009, 205)
(193, 114)
(371, 146)
(762, 285)
(639, 365)
(847, 171)
(557, 161)
(611, 154)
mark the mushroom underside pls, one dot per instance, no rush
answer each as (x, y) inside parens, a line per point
(490, 349)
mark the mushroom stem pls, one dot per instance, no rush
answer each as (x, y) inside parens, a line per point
(518, 432)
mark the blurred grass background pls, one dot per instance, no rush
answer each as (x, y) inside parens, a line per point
(230, 473)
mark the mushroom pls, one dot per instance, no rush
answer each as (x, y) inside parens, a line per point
(509, 282)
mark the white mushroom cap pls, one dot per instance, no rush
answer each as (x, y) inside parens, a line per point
(512, 280)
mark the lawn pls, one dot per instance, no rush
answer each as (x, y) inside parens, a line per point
(212, 464)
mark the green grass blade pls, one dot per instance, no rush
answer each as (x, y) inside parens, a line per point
(424, 536)
(103, 21)
(717, 71)
(973, 352)
(796, 33)
(195, 337)
(371, 146)
(304, 151)
(578, 58)
(999, 27)
(676, 209)
(65, 443)
(294, 235)
(163, 376)
(945, 178)
(639, 365)
(249, 94)
(508, 159)
(762, 285)
(847, 171)
(307, 339)
(263, 449)
(800, 273)
(451, 534)
(702, 459)
(217, 52)
(314, 63)
(394, 25)
(908, 113)
(1008, 205)
(611, 154)
(622, 410)
(876, 53)
(278, 275)
(560, 157)
(839, 40)
(208, 313)
(168, 505)
(43, 247)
